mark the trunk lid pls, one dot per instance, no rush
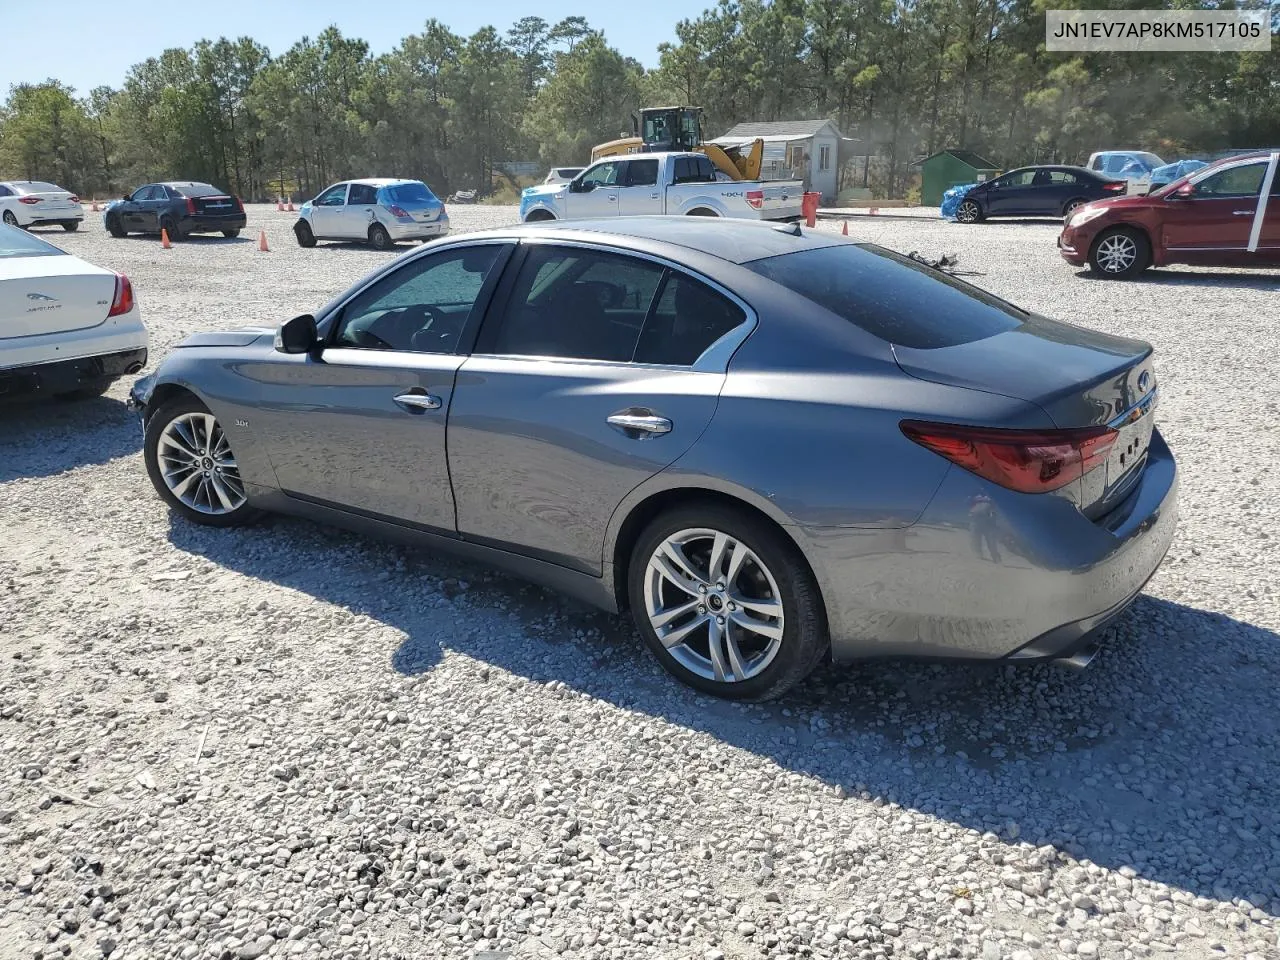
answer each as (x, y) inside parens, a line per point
(782, 198)
(42, 295)
(1079, 377)
(216, 206)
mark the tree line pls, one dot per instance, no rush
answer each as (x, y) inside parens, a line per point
(905, 78)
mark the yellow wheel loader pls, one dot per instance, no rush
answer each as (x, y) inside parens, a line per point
(659, 129)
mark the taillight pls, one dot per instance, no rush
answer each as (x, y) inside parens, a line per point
(239, 204)
(755, 199)
(1116, 187)
(443, 211)
(1029, 461)
(29, 200)
(397, 211)
(123, 300)
(191, 206)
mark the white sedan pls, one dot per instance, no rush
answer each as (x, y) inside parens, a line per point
(67, 328)
(33, 203)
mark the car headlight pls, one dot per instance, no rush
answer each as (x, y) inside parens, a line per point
(1081, 217)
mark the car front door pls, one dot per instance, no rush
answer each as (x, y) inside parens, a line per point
(134, 211)
(1212, 221)
(358, 214)
(642, 194)
(1007, 195)
(584, 384)
(361, 426)
(328, 212)
(595, 192)
(1269, 230)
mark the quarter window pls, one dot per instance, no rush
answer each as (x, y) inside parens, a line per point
(1062, 178)
(687, 319)
(1242, 181)
(576, 304)
(421, 307)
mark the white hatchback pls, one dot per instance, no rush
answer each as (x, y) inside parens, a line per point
(379, 211)
(67, 327)
(32, 203)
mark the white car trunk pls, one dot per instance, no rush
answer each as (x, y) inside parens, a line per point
(40, 295)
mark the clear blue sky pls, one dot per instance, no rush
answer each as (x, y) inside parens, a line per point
(86, 43)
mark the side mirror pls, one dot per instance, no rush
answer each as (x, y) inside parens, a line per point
(581, 186)
(125, 197)
(298, 335)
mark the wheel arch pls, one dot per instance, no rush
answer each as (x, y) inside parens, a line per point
(539, 214)
(1133, 225)
(1079, 200)
(640, 509)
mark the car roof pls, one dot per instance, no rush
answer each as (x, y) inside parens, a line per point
(735, 241)
(381, 181)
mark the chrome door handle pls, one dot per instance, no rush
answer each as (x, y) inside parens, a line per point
(613, 198)
(647, 426)
(655, 196)
(418, 402)
(1243, 213)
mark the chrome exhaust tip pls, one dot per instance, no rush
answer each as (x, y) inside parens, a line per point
(134, 367)
(1080, 659)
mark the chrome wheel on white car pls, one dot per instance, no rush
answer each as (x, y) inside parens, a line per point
(726, 602)
(192, 465)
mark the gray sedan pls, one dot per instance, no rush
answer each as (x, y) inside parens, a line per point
(770, 444)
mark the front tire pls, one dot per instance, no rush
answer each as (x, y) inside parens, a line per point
(231, 234)
(1120, 253)
(969, 211)
(191, 465)
(726, 602)
(114, 228)
(302, 230)
(379, 239)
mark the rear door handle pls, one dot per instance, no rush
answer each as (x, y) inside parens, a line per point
(418, 402)
(613, 198)
(640, 426)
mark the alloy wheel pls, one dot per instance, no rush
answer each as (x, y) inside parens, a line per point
(968, 212)
(197, 464)
(714, 605)
(1117, 253)
(10, 219)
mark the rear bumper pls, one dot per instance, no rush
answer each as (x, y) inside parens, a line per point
(1037, 581)
(72, 215)
(63, 376)
(418, 231)
(213, 224)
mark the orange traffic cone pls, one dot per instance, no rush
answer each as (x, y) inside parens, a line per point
(844, 230)
(279, 205)
(290, 206)
(874, 211)
(95, 206)
(164, 238)
(262, 241)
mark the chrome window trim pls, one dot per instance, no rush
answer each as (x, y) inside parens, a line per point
(715, 359)
(1144, 406)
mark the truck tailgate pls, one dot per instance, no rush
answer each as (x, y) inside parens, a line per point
(781, 198)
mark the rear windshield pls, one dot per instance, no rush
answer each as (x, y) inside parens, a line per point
(19, 243)
(197, 190)
(891, 296)
(409, 193)
(36, 186)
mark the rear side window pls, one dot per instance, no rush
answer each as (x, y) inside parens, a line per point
(642, 173)
(891, 296)
(1061, 177)
(362, 193)
(706, 169)
(687, 319)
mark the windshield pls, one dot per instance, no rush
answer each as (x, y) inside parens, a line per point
(19, 243)
(891, 296)
(1151, 160)
(409, 193)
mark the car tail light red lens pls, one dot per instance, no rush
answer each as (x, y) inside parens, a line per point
(239, 204)
(397, 211)
(123, 300)
(1115, 187)
(755, 199)
(191, 206)
(1029, 461)
(29, 200)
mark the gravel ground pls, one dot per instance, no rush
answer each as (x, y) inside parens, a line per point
(288, 740)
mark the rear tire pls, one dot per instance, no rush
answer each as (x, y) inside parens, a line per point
(379, 239)
(757, 663)
(115, 229)
(168, 434)
(168, 226)
(10, 218)
(302, 230)
(71, 226)
(231, 234)
(969, 211)
(702, 212)
(1120, 253)
(1071, 207)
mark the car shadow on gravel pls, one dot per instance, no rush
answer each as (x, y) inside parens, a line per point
(1239, 280)
(1156, 758)
(48, 436)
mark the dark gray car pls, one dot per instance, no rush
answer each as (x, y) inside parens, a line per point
(768, 443)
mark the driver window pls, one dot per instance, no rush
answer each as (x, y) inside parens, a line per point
(1243, 181)
(605, 175)
(1022, 179)
(333, 197)
(145, 193)
(421, 307)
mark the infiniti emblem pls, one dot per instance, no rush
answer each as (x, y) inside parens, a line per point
(41, 296)
(1144, 381)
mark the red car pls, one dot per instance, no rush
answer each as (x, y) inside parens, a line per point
(1225, 214)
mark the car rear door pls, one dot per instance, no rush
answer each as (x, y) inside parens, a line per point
(362, 426)
(584, 383)
(642, 194)
(1269, 227)
(360, 211)
(1213, 223)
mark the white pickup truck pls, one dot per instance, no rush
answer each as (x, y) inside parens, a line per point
(646, 184)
